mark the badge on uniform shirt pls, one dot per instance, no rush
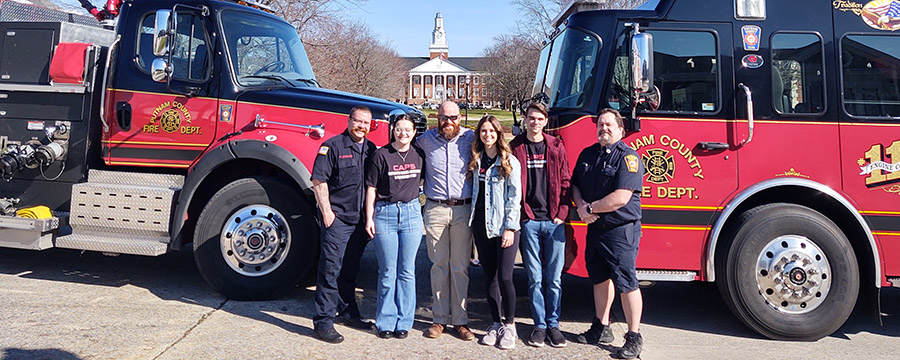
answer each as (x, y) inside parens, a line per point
(323, 150)
(632, 162)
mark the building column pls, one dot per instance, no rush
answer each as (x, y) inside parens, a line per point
(431, 90)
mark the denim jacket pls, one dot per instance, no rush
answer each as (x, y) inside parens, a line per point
(503, 198)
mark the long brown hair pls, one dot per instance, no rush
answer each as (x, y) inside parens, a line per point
(503, 148)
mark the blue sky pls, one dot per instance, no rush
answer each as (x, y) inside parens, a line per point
(471, 25)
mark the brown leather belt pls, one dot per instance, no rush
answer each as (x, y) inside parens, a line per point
(453, 202)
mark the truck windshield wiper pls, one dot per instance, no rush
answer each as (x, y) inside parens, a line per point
(270, 77)
(310, 81)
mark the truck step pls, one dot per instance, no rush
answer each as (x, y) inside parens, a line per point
(666, 275)
(895, 281)
(124, 203)
(115, 243)
(142, 179)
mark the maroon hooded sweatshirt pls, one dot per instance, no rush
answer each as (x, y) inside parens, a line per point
(558, 175)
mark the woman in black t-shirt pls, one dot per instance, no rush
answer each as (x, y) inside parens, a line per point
(394, 220)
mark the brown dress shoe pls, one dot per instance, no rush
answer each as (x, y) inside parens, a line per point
(434, 331)
(464, 333)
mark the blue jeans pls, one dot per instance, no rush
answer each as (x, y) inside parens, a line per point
(398, 233)
(543, 245)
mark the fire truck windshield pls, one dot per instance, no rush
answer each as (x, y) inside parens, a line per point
(571, 61)
(263, 52)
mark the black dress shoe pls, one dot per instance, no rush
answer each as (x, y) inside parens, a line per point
(329, 335)
(401, 334)
(385, 334)
(359, 323)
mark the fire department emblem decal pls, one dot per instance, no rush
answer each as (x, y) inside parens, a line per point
(659, 165)
(169, 117)
(170, 120)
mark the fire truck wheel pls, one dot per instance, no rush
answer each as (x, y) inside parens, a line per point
(790, 273)
(255, 239)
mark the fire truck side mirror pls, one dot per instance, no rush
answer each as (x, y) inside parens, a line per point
(162, 31)
(642, 62)
(159, 70)
(645, 93)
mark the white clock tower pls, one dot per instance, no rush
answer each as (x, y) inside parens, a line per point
(438, 38)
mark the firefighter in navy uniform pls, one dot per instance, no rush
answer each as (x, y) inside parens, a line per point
(339, 189)
(606, 185)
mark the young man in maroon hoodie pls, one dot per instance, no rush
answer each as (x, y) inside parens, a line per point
(545, 206)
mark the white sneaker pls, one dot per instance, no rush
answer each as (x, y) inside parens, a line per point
(490, 338)
(507, 337)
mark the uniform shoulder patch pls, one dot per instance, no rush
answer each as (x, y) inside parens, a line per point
(631, 162)
(323, 150)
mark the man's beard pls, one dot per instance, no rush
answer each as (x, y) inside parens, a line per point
(359, 132)
(450, 130)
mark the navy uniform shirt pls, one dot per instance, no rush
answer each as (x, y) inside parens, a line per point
(602, 170)
(341, 163)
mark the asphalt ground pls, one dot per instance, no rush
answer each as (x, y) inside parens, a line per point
(67, 304)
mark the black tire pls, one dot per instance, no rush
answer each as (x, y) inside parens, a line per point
(780, 296)
(277, 229)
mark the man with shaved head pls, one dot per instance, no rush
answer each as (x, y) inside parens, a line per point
(448, 149)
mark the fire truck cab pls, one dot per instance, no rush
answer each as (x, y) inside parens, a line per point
(770, 135)
(192, 122)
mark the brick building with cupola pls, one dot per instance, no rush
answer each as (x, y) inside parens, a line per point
(440, 77)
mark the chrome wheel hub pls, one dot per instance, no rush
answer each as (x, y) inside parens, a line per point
(793, 274)
(255, 240)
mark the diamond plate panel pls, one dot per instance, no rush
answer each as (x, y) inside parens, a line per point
(31, 234)
(105, 242)
(14, 11)
(666, 275)
(139, 179)
(121, 207)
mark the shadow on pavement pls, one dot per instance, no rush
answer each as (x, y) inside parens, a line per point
(688, 306)
(30, 354)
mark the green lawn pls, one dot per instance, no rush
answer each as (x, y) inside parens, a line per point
(504, 116)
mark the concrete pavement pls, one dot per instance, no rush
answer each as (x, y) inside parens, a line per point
(64, 304)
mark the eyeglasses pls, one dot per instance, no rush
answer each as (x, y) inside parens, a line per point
(451, 117)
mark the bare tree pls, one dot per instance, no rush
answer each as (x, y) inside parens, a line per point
(344, 54)
(347, 57)
(305, 13)
(510, 61)
(537, 15)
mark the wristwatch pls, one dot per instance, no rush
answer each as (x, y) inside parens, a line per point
(589, 209)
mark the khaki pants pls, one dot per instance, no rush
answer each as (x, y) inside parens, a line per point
(449, 241)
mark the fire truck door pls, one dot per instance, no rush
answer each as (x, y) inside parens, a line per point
(869, 107)
(687, 145)
(152, 123)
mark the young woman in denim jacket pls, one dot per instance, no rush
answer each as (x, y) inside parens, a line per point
(394, 220)
(497, 195)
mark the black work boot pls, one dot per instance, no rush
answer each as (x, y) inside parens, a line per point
(598, 333)
(329, 335)
(633, 344)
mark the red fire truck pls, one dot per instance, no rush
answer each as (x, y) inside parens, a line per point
(770, 134)
(193, 122)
